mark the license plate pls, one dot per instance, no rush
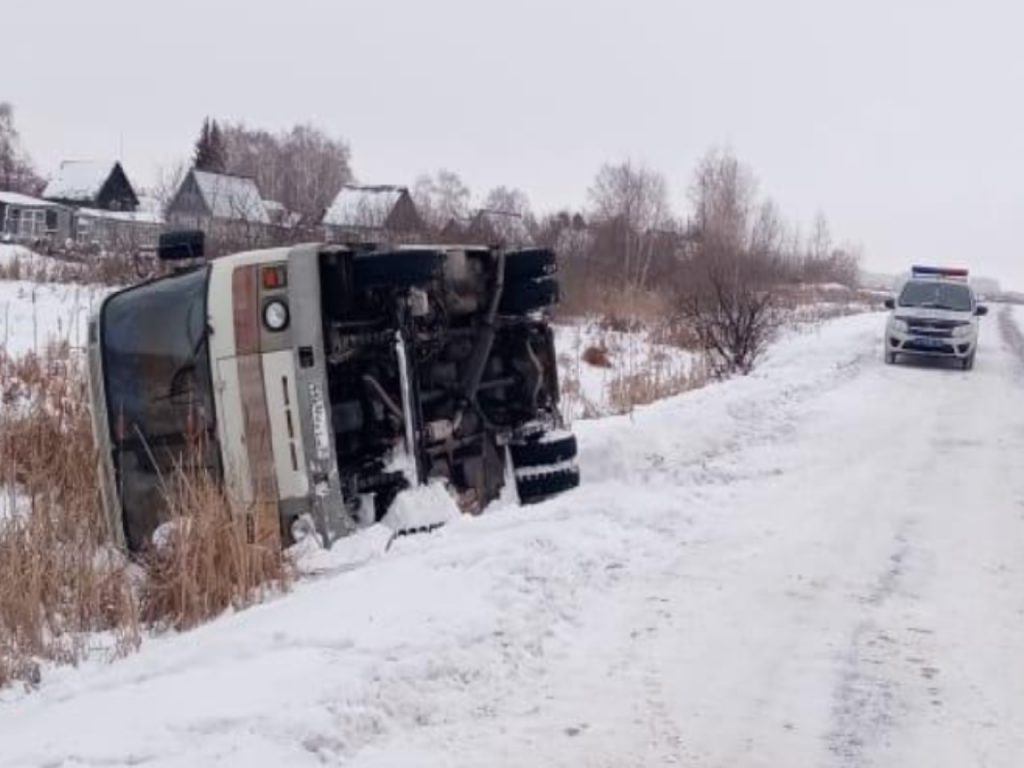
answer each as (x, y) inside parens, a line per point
(321, 434)
(925, 342)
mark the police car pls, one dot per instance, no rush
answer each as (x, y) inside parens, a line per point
(935, 315)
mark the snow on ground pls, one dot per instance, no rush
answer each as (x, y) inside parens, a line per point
(33, 314)
(9, 254)
(816, 565)
(587, 389)
(1011, 322)
(591, 390)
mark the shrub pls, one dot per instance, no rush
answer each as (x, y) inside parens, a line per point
(653, 382)
(205, 560)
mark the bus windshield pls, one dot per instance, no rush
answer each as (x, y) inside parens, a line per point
(159, 393)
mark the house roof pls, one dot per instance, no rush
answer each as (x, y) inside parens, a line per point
(363, 207)
(234, 198)
(25, 201)
(79, 180)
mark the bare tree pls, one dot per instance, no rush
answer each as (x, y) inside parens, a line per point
(510, 216)
(729, 294)
(632, 204)
(767, 232)
(819, 246)
(734, 319)
(723, 194)
(167, 180)
(509, 200)
(823, 262)
(844, 265)
(16, 171)
(302, 169)
(441, 198)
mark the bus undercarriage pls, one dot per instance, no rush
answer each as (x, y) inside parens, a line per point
(331, 378)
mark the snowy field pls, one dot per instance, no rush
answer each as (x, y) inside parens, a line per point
(816, 565)
(34, 314)
(588, 389)
(9, 254)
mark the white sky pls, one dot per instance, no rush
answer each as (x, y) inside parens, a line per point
(902, 120)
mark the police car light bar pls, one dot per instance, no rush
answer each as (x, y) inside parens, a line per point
(919, 271)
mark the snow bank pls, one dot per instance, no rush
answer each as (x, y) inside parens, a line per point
(417, 509)
(424, 507)
(697, 426)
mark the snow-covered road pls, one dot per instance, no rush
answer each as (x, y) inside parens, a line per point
(821, 564)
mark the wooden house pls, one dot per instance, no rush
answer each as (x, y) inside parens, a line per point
(372, 213)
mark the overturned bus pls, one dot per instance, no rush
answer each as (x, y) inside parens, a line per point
(319, 381)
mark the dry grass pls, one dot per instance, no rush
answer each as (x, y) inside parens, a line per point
(61, 581)
(207, 560)
(573, 401)
(640, 367)
(620, 308)
(109, 269)
(654, 381)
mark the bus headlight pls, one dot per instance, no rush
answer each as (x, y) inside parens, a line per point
(275, 315)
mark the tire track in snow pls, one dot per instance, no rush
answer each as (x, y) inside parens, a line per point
(867, 698)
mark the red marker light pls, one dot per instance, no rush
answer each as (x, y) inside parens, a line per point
(274, 277)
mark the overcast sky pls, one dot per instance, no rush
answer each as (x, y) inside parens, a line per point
(901, 120)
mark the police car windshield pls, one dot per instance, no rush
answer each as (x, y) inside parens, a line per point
(936, 294)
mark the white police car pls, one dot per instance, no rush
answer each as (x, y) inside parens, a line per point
(935, 315)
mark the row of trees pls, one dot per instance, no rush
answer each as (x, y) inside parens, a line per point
(302, 168)
(722, 271)
(629, 235)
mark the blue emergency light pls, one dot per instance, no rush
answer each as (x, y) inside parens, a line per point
(947, 272)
